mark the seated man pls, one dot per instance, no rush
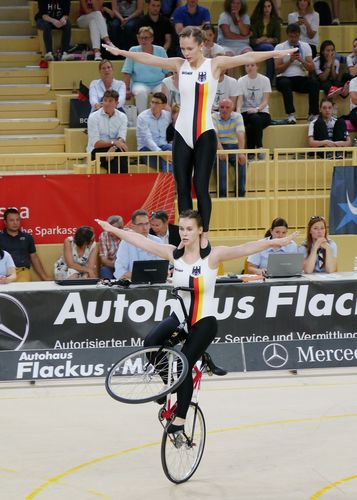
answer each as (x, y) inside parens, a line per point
(160, 227)
(327, 131)
(54, 15)
(107, 129)
(230, 131)
(151, 129)
(21, 247)
(127, 253)
(160, 24)
(108, 247)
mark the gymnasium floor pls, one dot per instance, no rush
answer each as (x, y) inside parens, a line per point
(270, 437)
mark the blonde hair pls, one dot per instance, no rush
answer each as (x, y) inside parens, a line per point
(146, 28)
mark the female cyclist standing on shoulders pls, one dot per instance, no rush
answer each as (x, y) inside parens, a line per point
(199, 273)
(195, 143)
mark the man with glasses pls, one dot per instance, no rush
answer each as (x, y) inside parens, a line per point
(127, 253)
(151, 127)
(160, 227)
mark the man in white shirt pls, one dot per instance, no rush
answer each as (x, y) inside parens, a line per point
(107, 129)
(151, 129)
(291, 74)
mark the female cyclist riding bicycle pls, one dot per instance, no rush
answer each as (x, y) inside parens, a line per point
(199, 274)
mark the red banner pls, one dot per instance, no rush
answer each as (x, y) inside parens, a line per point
(53, 206)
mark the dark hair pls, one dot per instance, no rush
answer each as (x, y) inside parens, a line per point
(228, 3)
(10, 211)
(138, 212)
(83, 235)
(160, 214)
(258, 12)
(111, 93)
(278, 222)
(325, 99)
(192, 214)
(161, 96)
(193, 31)
(293, 28)
(1, 253)
(323, 46)
(210, 27)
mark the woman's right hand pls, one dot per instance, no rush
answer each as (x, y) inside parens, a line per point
(112, 49)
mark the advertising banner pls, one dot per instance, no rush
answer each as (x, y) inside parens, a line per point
(56, 205)
(94, 322)
(343, 201)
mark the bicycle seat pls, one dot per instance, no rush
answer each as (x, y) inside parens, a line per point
(211, 367)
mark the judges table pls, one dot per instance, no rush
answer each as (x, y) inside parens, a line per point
(50, 331)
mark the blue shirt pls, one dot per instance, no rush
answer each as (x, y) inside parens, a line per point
(127, 254)
(303, 249)
(182, 16)
(260, 259)
(142, 73)
(151, 131)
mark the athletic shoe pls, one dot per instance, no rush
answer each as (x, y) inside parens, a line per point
(291, 119)
(311, 118)
(97, 56)
(67, 57)
(173, 429)
(261, 156)
(345, 89)
(339, 156)
(333, 91)
(335, 22)
(49, 56)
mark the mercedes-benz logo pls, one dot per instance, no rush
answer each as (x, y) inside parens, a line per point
(275, 355)
(14, 323)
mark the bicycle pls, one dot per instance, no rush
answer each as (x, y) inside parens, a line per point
(154, 374)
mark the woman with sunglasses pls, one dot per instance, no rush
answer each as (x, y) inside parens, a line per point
(320, 252)
(195, 142)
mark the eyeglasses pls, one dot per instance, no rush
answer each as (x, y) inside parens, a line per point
(316, 217)
(142, 224)
(156, 102)
(159, 214)
(144, 37)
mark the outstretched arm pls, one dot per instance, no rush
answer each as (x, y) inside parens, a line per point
(221, 254)
(171, 64)
(225, 62)
(140, 241)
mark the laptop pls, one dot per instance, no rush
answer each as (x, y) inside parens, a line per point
(147, 272)
(285, 265)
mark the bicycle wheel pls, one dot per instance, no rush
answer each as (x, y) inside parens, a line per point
(146, 375)
(181, 455)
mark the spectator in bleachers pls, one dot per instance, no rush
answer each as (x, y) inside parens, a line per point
(327, 131)
(170, 131)
(127, 253)
(190, 14)
(353, 102)
(257, 263)
(210, 48)
(106, 82)
(320, 252)
(227, 88)
(230, 132)
(234, 28)
(151, 128)
(327, 69)
(90, 16)
(161, 25)
(168, 7)
(292, 74)
(253, 102)
(54, 14)
(20, 245)
(351, 60)
(107, 130)
(169, 87)
(108, 247)
(7, 268)
(125, 22)
(160, 227)
(265, 26)
(79, 259)
(141, 79)
(309, 22)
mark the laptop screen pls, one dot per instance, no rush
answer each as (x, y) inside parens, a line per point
(285, 265)
(149, 271)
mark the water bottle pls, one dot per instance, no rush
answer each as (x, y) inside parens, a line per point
(355, 265)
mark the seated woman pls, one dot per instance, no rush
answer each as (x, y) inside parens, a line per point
(210, 49)
(257, 263)
(141, 79)
(253, 99)
(320, 252)
(327, 69)
(234, 28)
(327, 131)
(79, 259)
(309, 22)
(169, 87)
(265, 26)
(106, 82)
(90, 16)
(7, 268)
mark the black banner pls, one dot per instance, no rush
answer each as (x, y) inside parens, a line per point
(97, 325)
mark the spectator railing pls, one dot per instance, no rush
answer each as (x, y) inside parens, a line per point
(32, 163)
